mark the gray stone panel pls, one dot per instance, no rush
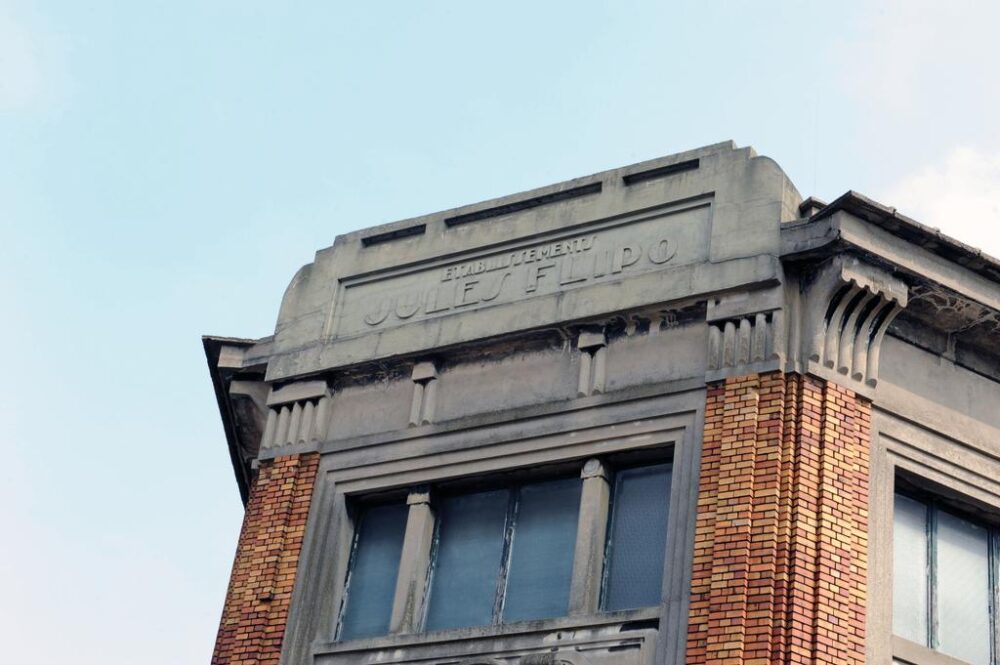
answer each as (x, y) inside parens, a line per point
(517, 264)
(380, 405)
(519, 379)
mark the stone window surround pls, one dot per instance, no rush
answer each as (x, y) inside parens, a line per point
(589, 558)
(904, 449)
(667, 422)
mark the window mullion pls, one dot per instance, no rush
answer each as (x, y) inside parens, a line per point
(591, 536)
(508, 546)
(414, 564)
(932, 566)
(994, 569)
(355, 531)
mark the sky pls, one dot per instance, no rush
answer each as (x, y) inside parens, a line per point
(166, 167)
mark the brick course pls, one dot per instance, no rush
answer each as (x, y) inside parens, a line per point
(780, 559)
(267, 556)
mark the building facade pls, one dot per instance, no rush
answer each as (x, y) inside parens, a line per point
(669, 413)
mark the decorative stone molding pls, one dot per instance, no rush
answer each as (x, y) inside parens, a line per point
(846, 310)
(425, 378)
(298, 414)
(740, 341)
(745, 334)
(593, 362)
(560, 657)
(614, 643)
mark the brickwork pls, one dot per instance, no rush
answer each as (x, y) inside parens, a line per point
(267, 556)
(780, 559)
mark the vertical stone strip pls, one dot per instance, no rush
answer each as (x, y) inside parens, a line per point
(263, 575)
(708, 483)
(781, 533)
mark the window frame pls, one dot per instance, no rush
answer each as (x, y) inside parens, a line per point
(357, 511)
(513, 480)
(909, 652)
(613, 483)
(513, 515)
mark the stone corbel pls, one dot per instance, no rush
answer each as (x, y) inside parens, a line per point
(593, 347)
(845, 313)
(298, 414)
(248, 400)
(425, 378)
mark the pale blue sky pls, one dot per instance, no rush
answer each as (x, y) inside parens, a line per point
(165, 167)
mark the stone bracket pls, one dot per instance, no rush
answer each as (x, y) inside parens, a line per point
(425, 378)
(593, 362)
(847, 309)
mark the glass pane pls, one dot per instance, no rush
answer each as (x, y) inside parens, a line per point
(372, 582)
(963, 588)
(909, 569)
(469, 552)
(638, 537)
(541, 562)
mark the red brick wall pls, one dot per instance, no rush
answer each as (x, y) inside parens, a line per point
(267, 556)
(780, 560)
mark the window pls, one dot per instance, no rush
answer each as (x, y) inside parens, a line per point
(502, 554)
(945, 569)
(371, 584)
(637, 536)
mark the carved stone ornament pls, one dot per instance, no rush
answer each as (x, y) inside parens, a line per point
(846, 310)
(298, 414)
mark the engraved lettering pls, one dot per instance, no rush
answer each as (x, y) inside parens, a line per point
(568, 273)
(535, 273)
(494, 291)
(439, 299)
(488, 278)
(602, 261)
(624, 257)
(662, 251)
(464, 290)
(408, 304)
(379, 314)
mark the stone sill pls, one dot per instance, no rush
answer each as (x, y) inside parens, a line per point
(393, 642)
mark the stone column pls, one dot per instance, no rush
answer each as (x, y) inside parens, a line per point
(588, 558)
(414, 564)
